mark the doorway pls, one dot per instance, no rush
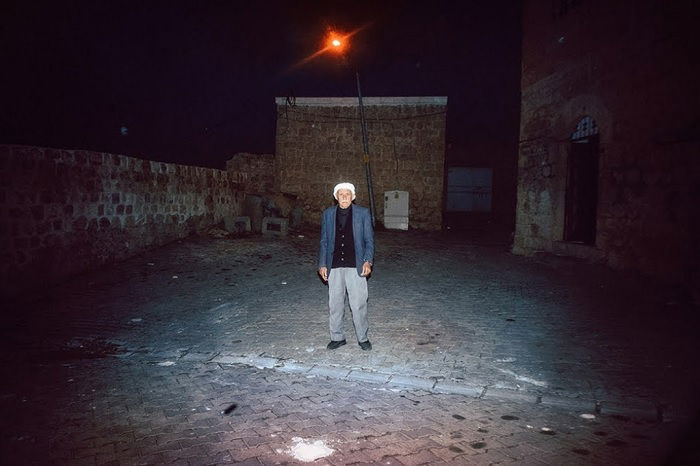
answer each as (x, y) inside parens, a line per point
(469, 189)
(582, 184)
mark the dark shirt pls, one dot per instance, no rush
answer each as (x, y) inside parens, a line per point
(341, 216)
(344, 250)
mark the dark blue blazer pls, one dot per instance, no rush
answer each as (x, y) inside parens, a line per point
(362, 231)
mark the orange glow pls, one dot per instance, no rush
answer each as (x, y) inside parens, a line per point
(335, 41)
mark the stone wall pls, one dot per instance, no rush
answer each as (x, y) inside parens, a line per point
(253, 173)
(632, 68)
(68, 211)
(319, 144)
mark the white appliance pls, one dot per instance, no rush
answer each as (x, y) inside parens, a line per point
(396, 210)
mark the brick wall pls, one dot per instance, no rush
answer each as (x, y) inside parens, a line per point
(319, 144)
(64, 211)
(632, 67)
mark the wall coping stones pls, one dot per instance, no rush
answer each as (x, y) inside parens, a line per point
(366, 101)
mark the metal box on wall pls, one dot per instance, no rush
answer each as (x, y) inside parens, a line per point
(396, 210)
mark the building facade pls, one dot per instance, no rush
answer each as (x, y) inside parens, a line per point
(609, 150)
(319, 144)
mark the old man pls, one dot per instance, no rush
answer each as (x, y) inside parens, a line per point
(345, 261)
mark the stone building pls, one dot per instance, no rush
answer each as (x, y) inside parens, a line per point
(609, 138)
(319, 143)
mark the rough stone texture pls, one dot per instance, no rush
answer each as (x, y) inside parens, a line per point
(67, 211)
(256, 176)
(253, 173)
(632, 67)
(319, 144)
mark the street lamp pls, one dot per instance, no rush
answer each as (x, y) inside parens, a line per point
(339, 44)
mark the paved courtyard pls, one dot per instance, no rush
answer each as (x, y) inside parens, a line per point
(211, 351)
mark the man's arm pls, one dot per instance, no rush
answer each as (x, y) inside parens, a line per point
(323, 249)
(368, 236)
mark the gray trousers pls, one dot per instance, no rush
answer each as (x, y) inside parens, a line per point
(340, 280)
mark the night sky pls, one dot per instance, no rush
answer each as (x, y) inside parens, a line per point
(194, 82)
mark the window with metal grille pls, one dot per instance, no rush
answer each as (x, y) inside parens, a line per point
(586, 127)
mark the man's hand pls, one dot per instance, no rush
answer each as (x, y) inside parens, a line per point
(366, 269)
(323, 272)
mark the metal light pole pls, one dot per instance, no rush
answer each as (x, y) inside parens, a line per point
(365, 145)
(338, 43)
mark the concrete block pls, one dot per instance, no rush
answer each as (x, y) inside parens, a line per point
(444, 386)
(294, 367)
(372, 377)
(230, 359)
(332, 372)
(253, 361)
(412, 382)
(511, 395)
(262, 362)
(252, 207)
(275, 226)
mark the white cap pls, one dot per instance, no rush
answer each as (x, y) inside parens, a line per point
(339, 186)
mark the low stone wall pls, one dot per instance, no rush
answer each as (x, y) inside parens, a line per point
(67, 211)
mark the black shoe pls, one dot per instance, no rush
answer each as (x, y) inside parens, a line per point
(336, 344)
(365, 345)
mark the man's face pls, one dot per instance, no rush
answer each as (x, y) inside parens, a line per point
(344, 198)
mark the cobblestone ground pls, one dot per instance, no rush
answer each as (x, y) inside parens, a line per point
(138, 411)
(135, 363)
